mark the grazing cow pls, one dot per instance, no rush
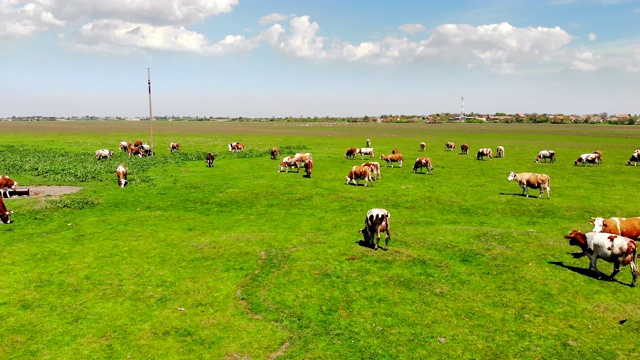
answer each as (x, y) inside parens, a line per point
(365, 151)
(6, 184)
(236, 147)
(137, 143)
(423, 146)
(5, 215)
(390, 159)
(532, 180)
(599, 153)
(464, 149)
(351, 153)
(635, 158)
(546, 154)
(395, 151)
(500, 151)
(359, 173)
(103, 154)
(423, 162)
(135, 150)
(484, 152)
(375, 169)
(210, 158)
(368, 142)
(124, 145)
(377, 221)
(628, 227)
(274, 153)
(145, 150)
(449, 146)
(174, 146)
(585, 159)
(617, 249)
(121, 172)
(287, 163)
(308, 167)
(302, 158)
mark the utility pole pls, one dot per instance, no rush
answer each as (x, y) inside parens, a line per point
(150, 112)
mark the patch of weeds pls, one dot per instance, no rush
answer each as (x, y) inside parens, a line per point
(75, 203)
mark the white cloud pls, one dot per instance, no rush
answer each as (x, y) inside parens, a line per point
(301, 40)
(412, 28)
(266, 20)
(20, 19)
(592, 37)
(586, 55)
(583, 66)
(233, 43)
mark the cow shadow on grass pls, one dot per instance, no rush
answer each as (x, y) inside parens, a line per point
(365, 244)
(519, 194)
(583, 271)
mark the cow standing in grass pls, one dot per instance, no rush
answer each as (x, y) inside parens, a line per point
(103, 154)
(532, 180)
(274, 153)
(616, 249)
(500, 151)
(365, 151)
(584, 159)
(121, 173)
(393, 158)
(635, 158)
(376, 221)
(546, 154)
(289, 162)
(627, 227)
(368, 142)
(423, 146)
(375, 169)
(449, 146)
(5, 215)
(6, 184)
(484, 152)
(124, 145)
(464, 149)
(423, 162)
(308, 167)
(236, 147)
(174, 146)
(210, 158)
(359, 173)
(351, 153)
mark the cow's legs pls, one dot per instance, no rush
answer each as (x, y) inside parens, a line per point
(616, 270)
(593, 266)
(634, 272)
(387, 239)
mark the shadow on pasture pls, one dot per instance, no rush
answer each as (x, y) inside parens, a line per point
(365, 244)
(585, 271)
(519, 195)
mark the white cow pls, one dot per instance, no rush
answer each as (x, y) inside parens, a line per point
(103, 154)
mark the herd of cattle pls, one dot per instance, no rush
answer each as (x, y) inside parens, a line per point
(613, 240)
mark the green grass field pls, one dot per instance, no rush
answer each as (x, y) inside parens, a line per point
(239, 261)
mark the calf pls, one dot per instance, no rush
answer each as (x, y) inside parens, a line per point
(546, 154)
(287, 163)
(500, 152)
(365, 151)
(628, 227)
(390, 159)
(210, 158)
(532, 180)
(375, 169)
(423, 162)
(617, 249)
(274, 153)
(121, 172)
(174, 146)
(351, 153)
(6, 184)
(464, 149)
(449, 146)
(423, 146)
(103, 154)
(5, 215)
(377, 221)
(635, 158)
(359, 173)
(484, 152)
(588, 159)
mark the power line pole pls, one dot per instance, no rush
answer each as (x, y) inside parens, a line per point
(150, 112)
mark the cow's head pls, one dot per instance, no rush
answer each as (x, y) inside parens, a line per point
(123, 182)
(6, 217)
(512, 175)
(598, 224)
(577, 238)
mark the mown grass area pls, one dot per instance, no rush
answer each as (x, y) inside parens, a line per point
(240, 261)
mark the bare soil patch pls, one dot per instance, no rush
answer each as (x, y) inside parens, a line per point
(38, 191)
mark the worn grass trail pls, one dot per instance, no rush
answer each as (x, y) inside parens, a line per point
(266, 263)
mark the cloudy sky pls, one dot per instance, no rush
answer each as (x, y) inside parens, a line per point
(264, 58)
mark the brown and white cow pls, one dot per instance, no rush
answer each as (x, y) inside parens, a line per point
(628, 227)
(464, 149)
(210, 158)
(395, 151)
(5, 215)
(359, 173)
(616, 249)
(368, 142)
(289, 162)
(531, 180)
(124, 145)
(635, 158)
(351, 153)
(599, 153)
(423, 162)
(423, 146)
(375, 169)
(137, 143)
(393, 158)
(6, 184)
(174, 146)
(302, 158)
(546, 154)
(376, 221)
(585, 159)
(500, 151)
(275, 152)
(484, 152)
(121, 172)
(365, 151)
(236, 147)
(449, 146)
(308, 167)
(135, 151)
(103, 154)
(145, 150)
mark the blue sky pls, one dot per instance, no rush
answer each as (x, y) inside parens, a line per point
(265, 58)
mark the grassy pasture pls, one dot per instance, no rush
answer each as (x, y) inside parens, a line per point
(240, 261)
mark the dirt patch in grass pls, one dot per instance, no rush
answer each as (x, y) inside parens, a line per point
(38, 191)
